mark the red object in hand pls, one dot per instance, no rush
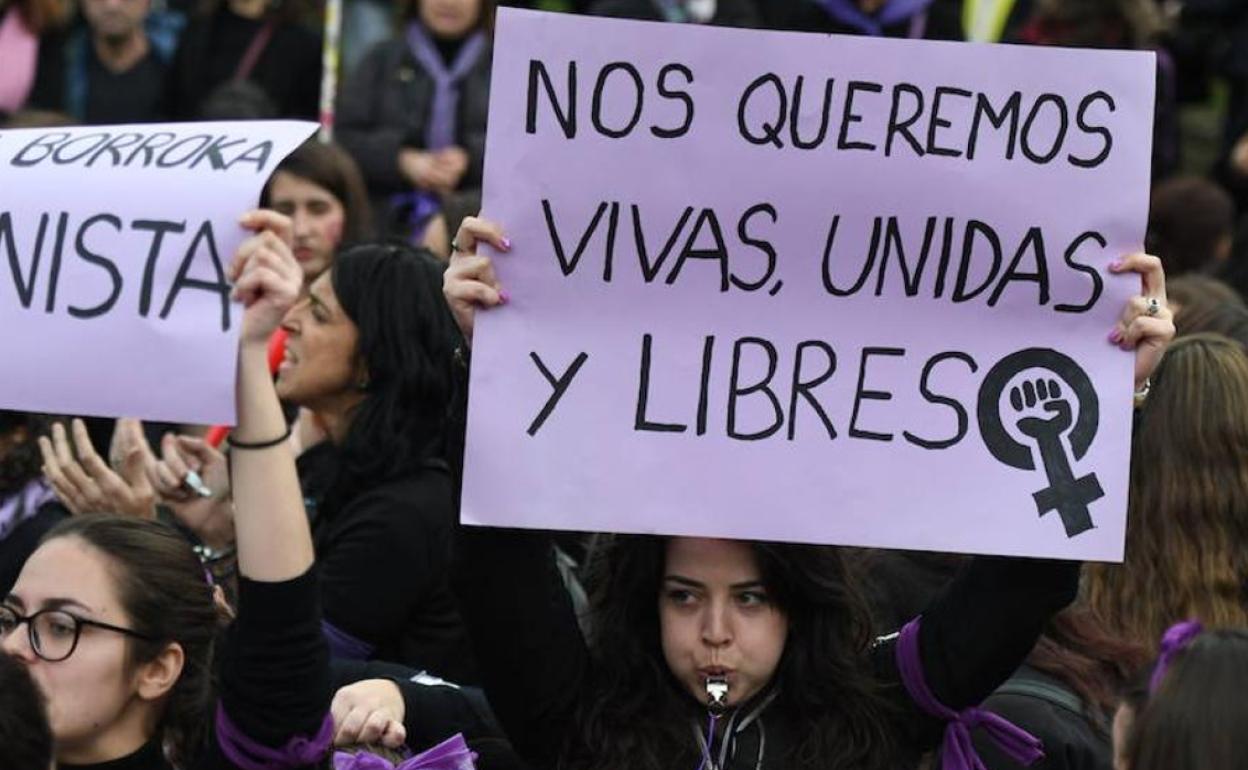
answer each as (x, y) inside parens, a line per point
(277, 351)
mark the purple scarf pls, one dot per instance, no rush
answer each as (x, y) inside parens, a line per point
(445, 108)
(451, 754)
(848, 13)
(23, 504)
(958, 753)
(247, 754)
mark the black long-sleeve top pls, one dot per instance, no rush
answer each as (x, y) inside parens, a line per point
(535, 664)
(384, 559)
(272, 673)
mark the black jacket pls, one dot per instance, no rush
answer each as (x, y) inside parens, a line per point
(384, 559)
(1074, 737)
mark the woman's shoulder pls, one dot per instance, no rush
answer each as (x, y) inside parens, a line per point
(1074, 737)
(418, 496)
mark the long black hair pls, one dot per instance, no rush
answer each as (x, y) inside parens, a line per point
(406, 344)
(636, 717)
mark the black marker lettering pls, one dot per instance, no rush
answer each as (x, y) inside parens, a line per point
(860, 394)
(559, 385)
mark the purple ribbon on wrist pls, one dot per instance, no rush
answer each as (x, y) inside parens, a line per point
(248, 754)
(1175, 640)
(451, 754)
(958, 752)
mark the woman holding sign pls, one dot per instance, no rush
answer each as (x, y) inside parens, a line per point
(118, 627)
(727, 654)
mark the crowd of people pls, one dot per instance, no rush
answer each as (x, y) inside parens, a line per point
(301, 595)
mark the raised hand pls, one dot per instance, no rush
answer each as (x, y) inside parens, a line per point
(85, 484)
(267, 277)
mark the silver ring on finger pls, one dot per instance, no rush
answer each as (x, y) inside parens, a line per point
(1153, 308)
(455, 246)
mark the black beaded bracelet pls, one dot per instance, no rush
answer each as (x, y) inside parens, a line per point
(260, 444)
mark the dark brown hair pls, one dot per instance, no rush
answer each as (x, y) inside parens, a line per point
(1187, 525)
(1197, 292)
(636, 717)
(329, 166)
(1230, 319)
(165, 595)
(1095, 664)
(1188, 218)
(1196, 718)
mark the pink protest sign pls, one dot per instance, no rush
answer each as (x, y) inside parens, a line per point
(113, 246)
(808, 288)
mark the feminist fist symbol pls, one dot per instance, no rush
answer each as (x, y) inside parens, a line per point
(1067, 495)
(1048, 394)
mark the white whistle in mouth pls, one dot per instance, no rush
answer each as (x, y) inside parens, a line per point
(717, 692)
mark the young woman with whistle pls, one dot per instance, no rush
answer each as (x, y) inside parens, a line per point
(706, 654)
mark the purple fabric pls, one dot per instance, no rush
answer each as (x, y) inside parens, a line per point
(1175, 640)
(416, 208)
(451, 754)
(344, 645)
(958, 753)
(247, 754)
(894, 12)
(445, 107)
(23, 504)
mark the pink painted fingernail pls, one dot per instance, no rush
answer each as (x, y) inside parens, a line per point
(1115, 336)
(504, 297)
(1116, 264)
(507, 244)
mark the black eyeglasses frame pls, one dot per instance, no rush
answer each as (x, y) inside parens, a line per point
(79, 622)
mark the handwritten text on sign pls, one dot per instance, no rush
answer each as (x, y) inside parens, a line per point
(113, 246)
(808, 288)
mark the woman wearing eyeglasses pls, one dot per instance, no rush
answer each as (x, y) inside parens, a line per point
(117, 624)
